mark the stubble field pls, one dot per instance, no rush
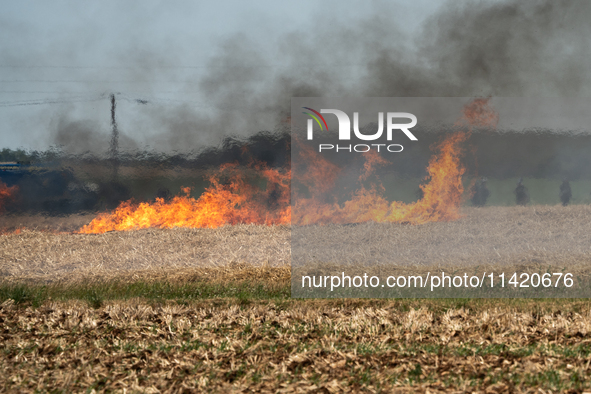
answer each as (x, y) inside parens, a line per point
(181, 310)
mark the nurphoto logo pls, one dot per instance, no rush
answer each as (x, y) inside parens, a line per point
(345, 130)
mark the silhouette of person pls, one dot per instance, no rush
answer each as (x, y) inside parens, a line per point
(480, 193)
(565, 192)
(521, 194)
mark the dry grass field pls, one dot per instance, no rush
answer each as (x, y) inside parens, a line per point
(9, 223)
(491, 236)
(209, 310)
(48, 256)
(494, 236)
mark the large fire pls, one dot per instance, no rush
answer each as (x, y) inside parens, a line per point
(233, 197)
(441, 200)
(442, 194)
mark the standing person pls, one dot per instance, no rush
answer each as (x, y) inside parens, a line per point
(521, 194)
(565, 192)
(480, 193)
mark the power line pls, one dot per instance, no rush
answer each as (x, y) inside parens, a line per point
(79, 99)
(51, 101)
(98, 67)
(70, 92)
(89, 81)
(138, 100)
(188, 67)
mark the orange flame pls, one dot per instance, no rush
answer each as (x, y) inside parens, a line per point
(479, 113)
(231, 202)
(6, 193)
(442, 195)
(239, 200)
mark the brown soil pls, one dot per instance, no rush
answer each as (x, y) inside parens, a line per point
(313, 346)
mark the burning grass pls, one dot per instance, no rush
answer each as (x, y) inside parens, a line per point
(261, 194)
(233, 197)
(441, 200)
(6, 193)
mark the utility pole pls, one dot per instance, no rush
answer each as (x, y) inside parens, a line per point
(114, 147)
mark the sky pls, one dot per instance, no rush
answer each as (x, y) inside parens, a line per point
(187, 74)
(60, 60)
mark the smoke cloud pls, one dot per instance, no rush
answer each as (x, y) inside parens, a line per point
(507, 48)
(501, 48)
(468, 49)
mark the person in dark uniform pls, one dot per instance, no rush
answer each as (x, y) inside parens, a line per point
(521, 194)
(565, 193)
(480, 193)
